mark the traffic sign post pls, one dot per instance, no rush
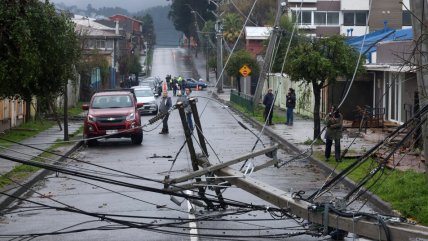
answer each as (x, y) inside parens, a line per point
(245, 70)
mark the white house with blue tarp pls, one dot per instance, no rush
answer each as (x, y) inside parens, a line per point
(389, 88)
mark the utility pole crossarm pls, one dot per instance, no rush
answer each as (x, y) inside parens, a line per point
(222, 165)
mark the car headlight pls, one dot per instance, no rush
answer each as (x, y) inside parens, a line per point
(92, 118)
(131, 117)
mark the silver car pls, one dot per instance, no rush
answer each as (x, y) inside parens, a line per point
(145, 95)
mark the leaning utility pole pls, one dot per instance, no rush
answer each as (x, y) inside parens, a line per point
(268, 56)
(420, 35)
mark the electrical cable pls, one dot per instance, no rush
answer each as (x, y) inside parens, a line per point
(122, 222)
(361, 159)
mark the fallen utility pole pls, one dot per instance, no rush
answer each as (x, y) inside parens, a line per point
(326, 215)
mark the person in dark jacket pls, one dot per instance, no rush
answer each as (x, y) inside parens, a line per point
(164, 106)
(174, 86)
(290, 104)
(334, 122)
(268, 101)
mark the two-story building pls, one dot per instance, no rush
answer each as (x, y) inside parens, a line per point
(348, 17)
(102, 40)
(133, 32)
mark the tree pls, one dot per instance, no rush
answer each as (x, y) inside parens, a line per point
(85, 67)
(262, 14)
(232, 25)
(148, 28)
(320, 62)
(182, 17)
(37, 61)
(239, 59)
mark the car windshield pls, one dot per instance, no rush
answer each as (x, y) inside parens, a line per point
(147, 83)
(111, 101)
(143, 92)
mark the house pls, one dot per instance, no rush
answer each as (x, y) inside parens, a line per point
(133, 30)
(12, 112)
(103, 39)
(389, 88)
(348, 17)
(254, 38)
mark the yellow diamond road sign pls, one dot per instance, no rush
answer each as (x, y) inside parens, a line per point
(245, 70)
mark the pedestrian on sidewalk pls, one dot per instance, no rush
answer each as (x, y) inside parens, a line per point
(290, 104)
(164, 106)
(268, 102)
(334, 122)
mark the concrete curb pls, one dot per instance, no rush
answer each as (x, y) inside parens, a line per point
(19, 190)
(287, 146)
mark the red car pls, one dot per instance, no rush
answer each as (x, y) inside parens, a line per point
(113, 114)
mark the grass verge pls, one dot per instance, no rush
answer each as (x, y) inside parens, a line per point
(258, 114)
(24, 131)
(406, 191)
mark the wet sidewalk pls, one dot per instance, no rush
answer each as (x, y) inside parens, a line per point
(43, 141)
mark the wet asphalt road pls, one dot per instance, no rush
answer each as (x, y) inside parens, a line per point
(151, 161)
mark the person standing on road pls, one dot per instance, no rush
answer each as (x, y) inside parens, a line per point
(290, 104)
(164, 106)
(168, 81)
(268, 102)
(174, 86)
(334, 122)
(188, 109)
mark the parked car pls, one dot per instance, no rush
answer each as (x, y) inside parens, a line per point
(155, 83)
(113, 113)
(192, 83)
(145, 96)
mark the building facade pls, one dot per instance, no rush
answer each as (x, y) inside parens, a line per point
(348, 17)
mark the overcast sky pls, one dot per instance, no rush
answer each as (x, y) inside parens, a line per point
(130, 5)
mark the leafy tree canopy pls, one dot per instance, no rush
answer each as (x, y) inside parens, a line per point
(148, 28)
(183, 18)
(39, 49)
(239, 59)
(320, 62)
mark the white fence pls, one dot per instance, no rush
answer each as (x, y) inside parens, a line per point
(304, 94)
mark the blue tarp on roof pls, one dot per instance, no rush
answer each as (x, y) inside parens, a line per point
(371, 39)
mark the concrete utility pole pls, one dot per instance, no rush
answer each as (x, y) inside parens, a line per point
(268, 56)
(420, 33)
(219, 36)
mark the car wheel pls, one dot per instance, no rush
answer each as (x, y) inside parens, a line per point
(137, 139)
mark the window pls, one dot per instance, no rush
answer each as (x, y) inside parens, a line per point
(407, 18)
(305, 17)
(355, 18)
(320, 18)
(326, 18)
(101, 44)
(360, 19)
(348, 19)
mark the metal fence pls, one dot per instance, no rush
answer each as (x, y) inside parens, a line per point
(243, 100)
